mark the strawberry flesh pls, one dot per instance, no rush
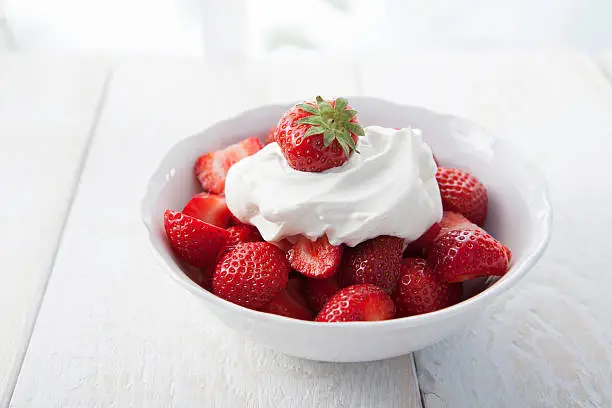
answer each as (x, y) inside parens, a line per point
(210, 208)
(363, 302)
(211, 168)
(315, 259)
(194, 241)
(285, 304)
(319, 291)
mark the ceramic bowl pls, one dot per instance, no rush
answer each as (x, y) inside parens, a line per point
(519, 215)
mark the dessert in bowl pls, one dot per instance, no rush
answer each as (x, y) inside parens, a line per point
(345, 239)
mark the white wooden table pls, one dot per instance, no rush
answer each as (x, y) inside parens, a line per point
(114, 331)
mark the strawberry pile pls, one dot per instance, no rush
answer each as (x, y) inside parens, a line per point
(381, 278)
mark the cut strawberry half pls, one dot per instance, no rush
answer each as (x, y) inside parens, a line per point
(464, 251)
(363, 302)
(286, 305)
(211, 168)
(297, 289)
(210, 208)
(315, 259)
(194, 241)
(270, 136)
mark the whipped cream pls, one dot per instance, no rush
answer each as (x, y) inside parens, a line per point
(389, 188)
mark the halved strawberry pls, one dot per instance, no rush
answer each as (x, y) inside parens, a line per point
(210, 208)
(251, 274)
(376, 261)
(319, 291)
(315, 259)
(283, 244)
(358, 303)
(288, 303)
(419, 289)
(243, 233)
(296, 286)
(195, 241)
(270, 136)
(211, 168)
(464, 251)
(463, 193)
(422, 244)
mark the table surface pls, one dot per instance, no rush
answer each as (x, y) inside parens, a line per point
(88, 317)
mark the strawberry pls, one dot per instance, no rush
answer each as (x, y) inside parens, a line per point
(296, 286)
(251, 274)
(419, 289)
(243, 233)
(315, 259)
(464, 251)
(195, 241)
(270, 136)
(283, 244)
(319, 135)
(203, 277)
(463, 193)
(358, 303)
(422, 244)
(319, 291)
(290, 302)
(211, 168)
(210, 208)
(375, 261)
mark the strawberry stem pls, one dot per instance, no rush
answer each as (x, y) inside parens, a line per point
(333, 122)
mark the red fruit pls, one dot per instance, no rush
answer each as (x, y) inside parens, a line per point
(296, 286)
(211, 168)
(286, 304)
(270, 136)
(455, 293)
(463, 193)
(315, 259)
(319, 135)
(203, 277)
(251, 274)
(422, 244)
(376, 261)
(419, 289)
(210, 208)
(319, 291)
(464, 251)
(243, 233)
(358, 303)
(283, 244)
(195, 241)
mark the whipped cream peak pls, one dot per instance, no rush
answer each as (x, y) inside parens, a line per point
(388, 188)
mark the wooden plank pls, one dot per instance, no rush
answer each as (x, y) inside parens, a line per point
(546, 343)
(114, 330)
(47, 109)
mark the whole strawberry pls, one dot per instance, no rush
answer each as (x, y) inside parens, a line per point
(419, 289)
(463, 193)
(376, 261)
(316, 136)
(464, 251)
(358, 303)
(251, 274)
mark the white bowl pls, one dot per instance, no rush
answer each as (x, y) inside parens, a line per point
(519, 215)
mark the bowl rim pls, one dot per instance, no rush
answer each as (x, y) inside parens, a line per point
(500, 286)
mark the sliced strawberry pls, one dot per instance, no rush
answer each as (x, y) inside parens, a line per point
(210, 208)
(319, 291)
(285, 304)
(211, 168)
(376, 261)
(283, 244)
(251, 274)
(419, 289)
(422, 244)
(243, 233)
(463, 193)
(358, 303)
(270, 136)
(296, 286)
(315, 259)
(464, 251)
(195, 241)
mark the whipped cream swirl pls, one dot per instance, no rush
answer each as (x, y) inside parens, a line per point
(389, 188)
